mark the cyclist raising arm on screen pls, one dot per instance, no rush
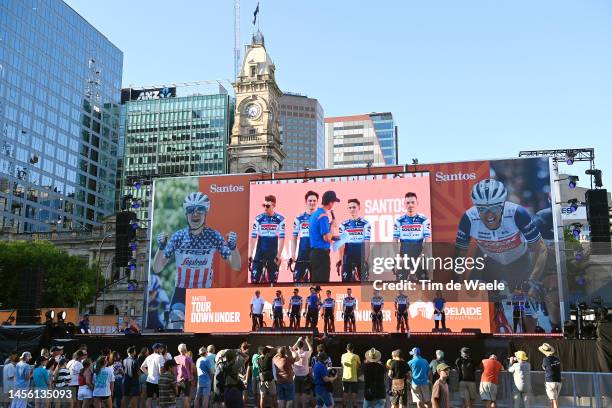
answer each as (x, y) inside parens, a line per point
(193, 248)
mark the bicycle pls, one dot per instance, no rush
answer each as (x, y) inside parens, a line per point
(257, 321)
(277, 320)
(402, 321)
(358, 272)
(305, 278)
(263, 271)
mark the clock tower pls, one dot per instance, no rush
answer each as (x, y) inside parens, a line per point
(255, 145)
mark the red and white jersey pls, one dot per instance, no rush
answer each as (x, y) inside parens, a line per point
(194, 256)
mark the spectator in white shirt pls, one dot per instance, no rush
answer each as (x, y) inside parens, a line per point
(75, 366)
(152, 368)
(257, 307)
(301, 370)
(8, 375)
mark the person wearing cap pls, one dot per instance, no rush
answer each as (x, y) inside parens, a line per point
(321, 236)
(440, 396)
(552, 374)
(521, 372)
(152, 368)
(466, 367)
(398, 373)
(205, 371)
(489, 380)
(323, 377)
(421, 376)
(374, 394)
(168, 388)
(57, 352)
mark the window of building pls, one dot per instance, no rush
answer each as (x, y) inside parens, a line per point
(252, 70)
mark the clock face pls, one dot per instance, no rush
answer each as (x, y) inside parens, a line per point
(252, 110)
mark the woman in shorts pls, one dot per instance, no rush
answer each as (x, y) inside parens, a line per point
(103, 380)
(85, 385)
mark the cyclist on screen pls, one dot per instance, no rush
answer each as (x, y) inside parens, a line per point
(295, 309)
(505, 233)
(313, 303)
(193, 248)
(356, 249)
(411, 230)
(301, 227)
(269, 234)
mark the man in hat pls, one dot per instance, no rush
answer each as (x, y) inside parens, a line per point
(552, 374)
(321, 231)
(440, 396)
(489, 380)
(374, 380)
(57, 353)
(467, 377)
(521, 372)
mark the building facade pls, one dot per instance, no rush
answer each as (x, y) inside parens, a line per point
(122, 290)
(255, 144)
(360, 140)
(168, 137)
(60, 83)
(303, 132)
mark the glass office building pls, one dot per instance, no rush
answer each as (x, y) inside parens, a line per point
(171, 137)
(359, 140)
(60, 83)
(303, 132)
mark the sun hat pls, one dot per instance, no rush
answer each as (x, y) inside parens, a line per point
(547, 349)
(521, 355)
(373, 354)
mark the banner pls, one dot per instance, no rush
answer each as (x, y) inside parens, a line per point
(227, 310)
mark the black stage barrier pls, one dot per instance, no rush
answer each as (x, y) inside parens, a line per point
(20, 338)
(576, 355)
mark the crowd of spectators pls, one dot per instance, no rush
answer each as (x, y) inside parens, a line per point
(285, 376)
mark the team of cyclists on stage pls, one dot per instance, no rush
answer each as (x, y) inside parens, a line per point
(314, 306)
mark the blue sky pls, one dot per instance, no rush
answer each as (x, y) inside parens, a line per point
(464, 80)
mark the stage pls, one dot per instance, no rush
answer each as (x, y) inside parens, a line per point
(576, 355)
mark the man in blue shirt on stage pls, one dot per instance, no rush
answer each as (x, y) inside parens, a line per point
(321, 237)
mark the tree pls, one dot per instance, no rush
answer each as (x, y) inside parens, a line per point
(67, 279)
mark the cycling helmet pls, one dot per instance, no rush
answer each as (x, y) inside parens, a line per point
(489, 192)
(196, 199)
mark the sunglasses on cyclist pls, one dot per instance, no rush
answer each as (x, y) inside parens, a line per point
(266, 205)
(492, 208)
(352, 207)
(198, 208)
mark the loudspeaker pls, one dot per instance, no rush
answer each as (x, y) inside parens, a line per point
(471, 330)
(124, 234)
(598, 215)
(29, 296)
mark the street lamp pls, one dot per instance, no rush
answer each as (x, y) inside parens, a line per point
(106, 235)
